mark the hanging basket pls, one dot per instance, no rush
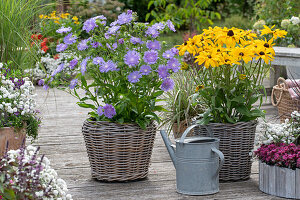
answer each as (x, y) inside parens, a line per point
(236, 143)
(282, 99)
(118, 152)
(11, 137)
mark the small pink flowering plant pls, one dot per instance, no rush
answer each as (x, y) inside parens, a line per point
(127, 66)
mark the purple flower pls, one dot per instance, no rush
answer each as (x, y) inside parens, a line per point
(168, 54)
(151, 57)
(100, 17)
(46, 87)
(167, 84)
(173, 64)
(98, 60)
(163, 71)
(171, 26)
(124, 18)
(70, 39)
(61, 47)
(83, 65)
(58, 69)
(134, 77)
(41, 82)
(121, 41)
(89, 25)
(132, 58)
(73, 83)
(112, 30)
(64, 30)
(73, 63)
(100, 111)
(83, 45)
(109, 111)
(114, 23)
(114, 45)
(152, 31)
(153, 45)
(145, 70)
(107, 66)
(175, 51)
(159, 26)
(135, 40)
(95, 44)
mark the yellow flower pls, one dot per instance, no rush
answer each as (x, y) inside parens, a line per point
(242, 76)
(185, 66)
(242, 54)
(264, 53)
(76, 22)
(199, 87)
(228, 36)
(57, 22)
(208, 58)
(182, 48)
(41, 16)
(266, 30)
(75, 18)
(279, 33)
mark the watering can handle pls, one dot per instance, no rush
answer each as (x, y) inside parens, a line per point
(221, 156)
(190, 128)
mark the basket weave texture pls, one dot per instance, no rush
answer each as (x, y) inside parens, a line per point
(118, 152)
(283, 100)
(236, 143)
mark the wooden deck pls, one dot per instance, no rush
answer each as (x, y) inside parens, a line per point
(61, 141)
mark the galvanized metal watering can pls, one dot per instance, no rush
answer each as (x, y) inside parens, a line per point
(196, 160)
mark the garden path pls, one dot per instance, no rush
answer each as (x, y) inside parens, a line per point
(61, 141)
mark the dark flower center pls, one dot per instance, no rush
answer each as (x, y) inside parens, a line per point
(266, 45)
(230, 33)
(261, 53)
(241, 54)
(185, 43)
(218, 50)
(209, 56)
(227, 60)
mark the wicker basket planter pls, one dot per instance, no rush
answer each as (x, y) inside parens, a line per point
(178, 130)
(118, 152)
(281, 98)
(279, 181)
(13, 137)
(236, 143)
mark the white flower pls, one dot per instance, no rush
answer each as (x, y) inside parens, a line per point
(295, 20)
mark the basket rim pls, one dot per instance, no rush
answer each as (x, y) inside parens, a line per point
(229, 124)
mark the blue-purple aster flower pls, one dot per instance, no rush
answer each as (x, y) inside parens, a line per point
(41, 82)
(150, 57)
(173, 64)
(46, 87)
(145, 70)
(175, 51)
(107, 66)
(73, 83)
(58, 69)
(101, 18)
(61, 47)
(168, 54)
(83, 65)
(162, 71)
(171, 26)
(134, 77)
(109, 111)
(152, 31)
(121, 41)
(98, 60)
(132, 58)
(167, 84)
(100, 111)
(70, 39)
(114, 23)
(124, 18)
(153, 45)
(83, 45)
(159, 26)
(95, 44)
(73, 63)
(114, 46)
(64, 30)
(89, 25)
(112, 30)
(135, 40)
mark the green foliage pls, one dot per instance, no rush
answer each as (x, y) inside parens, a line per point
(190, 13)
(17, 20)
(140, 6)
(228, 8)
(235, 21)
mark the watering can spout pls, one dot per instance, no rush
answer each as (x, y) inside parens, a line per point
(170, 146)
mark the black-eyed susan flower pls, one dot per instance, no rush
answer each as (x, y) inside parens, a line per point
(242, 76)
(209, 59)
(199, 87)
(244, 54)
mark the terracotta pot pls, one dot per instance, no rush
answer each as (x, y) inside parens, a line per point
(178, 130)
(13, 137)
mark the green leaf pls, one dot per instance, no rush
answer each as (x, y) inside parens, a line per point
(86, 105)
(121, 120)
(157, 94)
(243, 110)
(160, 109)
(83, 81)
(153, 115)
(239, 99)
(141, 123)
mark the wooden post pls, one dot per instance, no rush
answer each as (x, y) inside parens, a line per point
(62, 5)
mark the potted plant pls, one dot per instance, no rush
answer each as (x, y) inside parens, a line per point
(229, 67)
(24, 174)
(18, 114)
(128, 71)
(279, 158)
(180, 110)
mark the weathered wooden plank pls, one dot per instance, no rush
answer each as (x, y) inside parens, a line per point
(297, 184)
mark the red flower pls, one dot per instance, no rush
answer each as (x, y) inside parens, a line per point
(56, 56)
(39, 36)
(45, 48)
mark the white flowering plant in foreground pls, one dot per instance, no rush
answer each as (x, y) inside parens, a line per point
(287, 132)
(24, 174)
(48, 64)
(17, 103)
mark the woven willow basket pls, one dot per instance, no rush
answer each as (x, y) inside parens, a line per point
(118, 152)
(236, 143)
(283, 100)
